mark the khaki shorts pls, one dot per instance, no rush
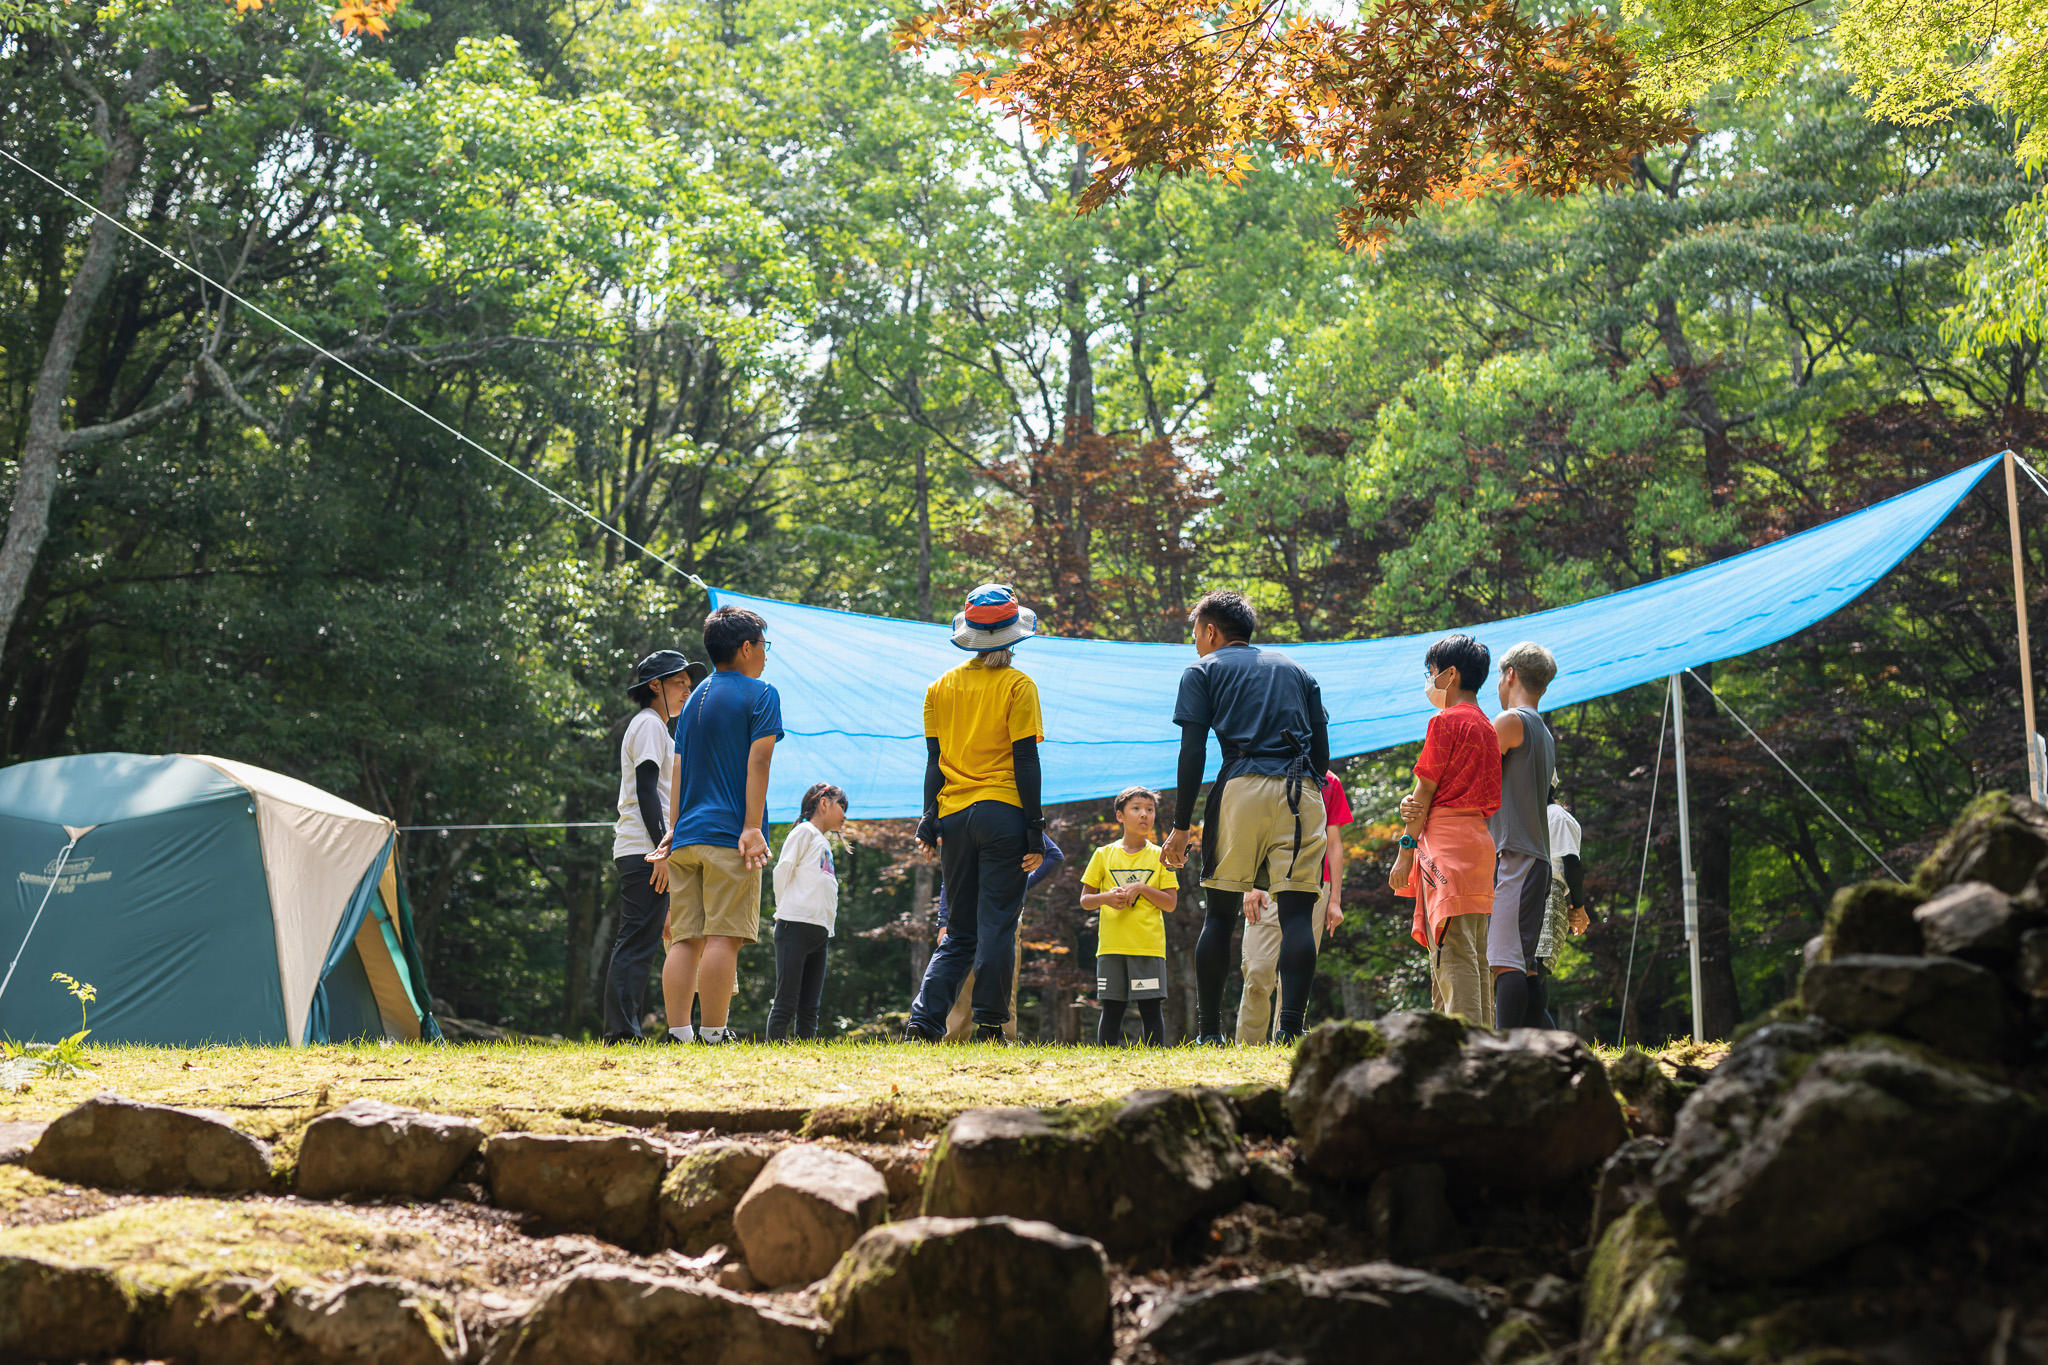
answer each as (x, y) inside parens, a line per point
(712, 893)
(1255, 829)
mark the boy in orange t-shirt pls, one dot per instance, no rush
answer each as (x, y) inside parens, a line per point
(1446, 859)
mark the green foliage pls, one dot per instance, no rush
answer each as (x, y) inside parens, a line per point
(21, 1064)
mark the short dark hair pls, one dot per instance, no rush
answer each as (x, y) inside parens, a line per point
(1463, 653)
(726, 629)
(1228, 612)
(1129, 794)
(818, 792)
(641, 694)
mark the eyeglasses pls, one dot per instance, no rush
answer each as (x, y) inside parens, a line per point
(766, 644)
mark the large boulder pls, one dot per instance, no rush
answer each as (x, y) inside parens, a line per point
(1388, 1314)
(617, 1315)
(370, 1147)
(1127, 1174)
(943, 1291)
(1871, 917)
(703, 1188)
(1519, 1110)
(53, 1312)
(2033, 966)
(805, 1210)
(122, 1144)
(601, 1185)
(1948, 1004)
(1999, 838)
(1787, 1157)
(1976, 921)
(373, 1321)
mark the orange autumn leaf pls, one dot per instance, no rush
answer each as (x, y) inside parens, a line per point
(244, 6)
(1417, 102)
(365, 16)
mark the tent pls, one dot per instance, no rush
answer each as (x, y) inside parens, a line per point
(206, 900)
(853, 686)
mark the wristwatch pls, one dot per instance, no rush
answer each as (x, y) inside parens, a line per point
(1408, 841)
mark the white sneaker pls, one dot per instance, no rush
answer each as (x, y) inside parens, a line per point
(685, 1034)
(715, 1035)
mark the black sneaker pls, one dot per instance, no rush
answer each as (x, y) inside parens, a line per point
(991, 1033)
(1209, 1040)
(913, 1034)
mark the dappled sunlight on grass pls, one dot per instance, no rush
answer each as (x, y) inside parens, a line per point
(584, 1080)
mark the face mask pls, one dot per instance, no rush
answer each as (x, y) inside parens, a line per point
(1436, 696)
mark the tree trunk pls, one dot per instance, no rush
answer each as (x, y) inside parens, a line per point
(42, 452)
(924, 540)
(579, 897)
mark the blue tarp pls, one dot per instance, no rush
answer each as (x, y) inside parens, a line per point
(853, 686)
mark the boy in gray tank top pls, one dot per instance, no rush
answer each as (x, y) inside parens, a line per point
(1521, 831)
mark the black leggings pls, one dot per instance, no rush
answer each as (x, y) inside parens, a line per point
(1297, 958)
(799, 978)
(1149, 1014)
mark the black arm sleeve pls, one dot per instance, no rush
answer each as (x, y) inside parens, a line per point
(1574, 879)
(647, 786)
(1319, 748)
(934, 779)
(1030, 782)
(1187, 780)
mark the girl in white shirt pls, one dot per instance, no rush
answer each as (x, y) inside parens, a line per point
(806, 909)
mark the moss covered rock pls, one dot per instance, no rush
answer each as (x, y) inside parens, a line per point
(1871, 917)
(703, 1188)
(1385, 1313)
(1999, 838)
(601, 1185)
(1126, 1174)
(942, 1291)
(124, 1144)
(617, 1315)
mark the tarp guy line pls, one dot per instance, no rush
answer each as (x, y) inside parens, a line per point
(852, 685)
(373, 382)
(1795, 776)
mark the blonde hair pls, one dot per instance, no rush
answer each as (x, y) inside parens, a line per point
(994, 658)
(1534, 665)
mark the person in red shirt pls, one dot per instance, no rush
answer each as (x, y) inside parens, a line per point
(1446, 859)
(1261, 948)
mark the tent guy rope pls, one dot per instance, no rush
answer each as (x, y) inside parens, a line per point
(1643, 872)
(367, 378)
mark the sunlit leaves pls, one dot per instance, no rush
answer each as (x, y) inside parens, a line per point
(1415, 103)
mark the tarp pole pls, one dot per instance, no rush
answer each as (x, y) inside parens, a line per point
(2037, 781)
(1686, 880)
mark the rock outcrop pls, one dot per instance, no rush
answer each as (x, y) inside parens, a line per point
(122, 1144)
(941, 1291)
(1510, 1111)
(805, 1210)
(370, 1147)
(1126, 1174)
(237, 1321)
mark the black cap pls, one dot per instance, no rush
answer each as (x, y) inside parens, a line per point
(666, 663)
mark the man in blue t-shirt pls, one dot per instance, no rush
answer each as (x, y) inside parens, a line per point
(725, 737)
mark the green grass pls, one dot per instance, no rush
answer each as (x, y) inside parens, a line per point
(515, 1084)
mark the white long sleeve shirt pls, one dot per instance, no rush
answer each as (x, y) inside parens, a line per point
(806, 882)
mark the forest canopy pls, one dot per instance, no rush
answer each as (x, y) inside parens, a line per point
(758, 287)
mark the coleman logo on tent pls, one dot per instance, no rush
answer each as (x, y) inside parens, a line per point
(77, 872)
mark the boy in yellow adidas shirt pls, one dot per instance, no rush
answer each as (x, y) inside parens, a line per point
(1131, 885)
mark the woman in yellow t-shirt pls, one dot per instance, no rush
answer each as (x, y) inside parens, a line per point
(981, 812)
(1132, 886)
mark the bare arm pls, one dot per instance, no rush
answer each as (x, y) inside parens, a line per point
(1160, 896)
(753, 841)
(1333, 912)
(1507, 729)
